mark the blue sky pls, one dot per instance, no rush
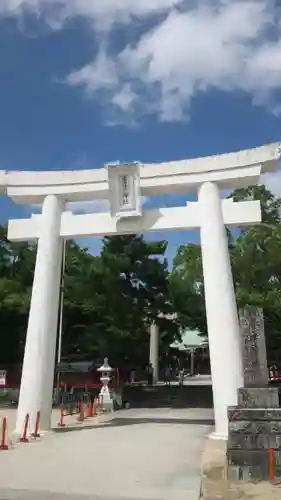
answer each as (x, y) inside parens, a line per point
(83, 83)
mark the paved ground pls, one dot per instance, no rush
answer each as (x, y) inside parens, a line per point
(140, 454)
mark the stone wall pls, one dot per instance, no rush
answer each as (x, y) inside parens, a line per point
(189, 396)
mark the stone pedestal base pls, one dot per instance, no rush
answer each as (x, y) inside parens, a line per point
(253, 431)
(266, 397)
(253, 465)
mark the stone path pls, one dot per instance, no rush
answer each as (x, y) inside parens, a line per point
(140, 454)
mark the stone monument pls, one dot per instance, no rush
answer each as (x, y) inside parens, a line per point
(254, 348)
(255, 424)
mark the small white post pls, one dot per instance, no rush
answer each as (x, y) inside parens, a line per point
(36, 390)
(221, 309)
(154, 351)
(61, 303)
(192, 362)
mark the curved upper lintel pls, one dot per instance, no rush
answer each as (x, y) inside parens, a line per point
(228, 170)
(153, 186)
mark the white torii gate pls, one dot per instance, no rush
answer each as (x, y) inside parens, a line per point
(124, 185)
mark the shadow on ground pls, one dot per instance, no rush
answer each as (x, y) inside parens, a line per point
(121, 422)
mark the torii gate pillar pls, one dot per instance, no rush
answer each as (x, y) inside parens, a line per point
(36, 390)
(221, 309)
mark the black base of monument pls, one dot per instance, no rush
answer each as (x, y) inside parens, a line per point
(254, 440)
(254, 465)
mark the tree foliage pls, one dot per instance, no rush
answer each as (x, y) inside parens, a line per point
(256, 261)
(256, 265)
(111, 300)
(187, 288)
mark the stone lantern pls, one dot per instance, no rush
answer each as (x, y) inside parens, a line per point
(105, 396)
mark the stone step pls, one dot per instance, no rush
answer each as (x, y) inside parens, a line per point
(235, 414)
(164, 396)
(253, 464)
(254, 427)
(242, 441)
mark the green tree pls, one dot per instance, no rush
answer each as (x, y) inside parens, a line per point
(187, 288)
(256, 260)
(16, 276)
(256, 265)
(109, 301)
(121, 293)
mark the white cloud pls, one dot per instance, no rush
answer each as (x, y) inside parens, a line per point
(181, 48)
(273, 182)
(103, 13)
(95, 206)
(83, 207)
(99, 74)
(125, 98)
(234, 45)
(89, 207)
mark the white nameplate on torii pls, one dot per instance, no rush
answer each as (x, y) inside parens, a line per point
(163, 219)
(124, 190)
